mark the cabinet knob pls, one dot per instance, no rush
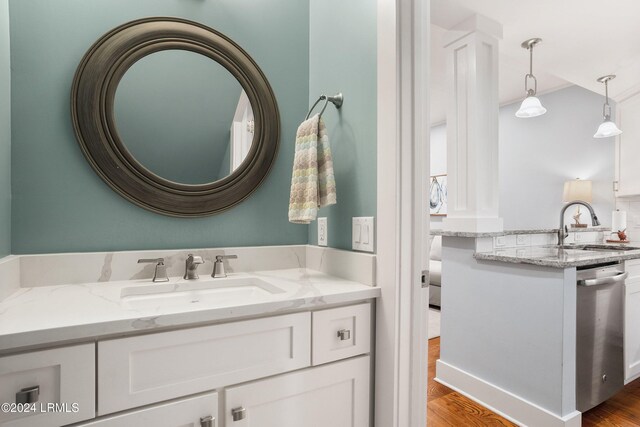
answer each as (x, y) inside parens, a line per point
(238, 414)
(28, 395)
(207, 421)
(344, 334)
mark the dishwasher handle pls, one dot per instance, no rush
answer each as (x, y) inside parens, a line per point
(604, 280)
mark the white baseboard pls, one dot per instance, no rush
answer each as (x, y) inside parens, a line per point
(502, 402)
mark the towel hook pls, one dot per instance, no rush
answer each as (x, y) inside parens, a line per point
(336, 100)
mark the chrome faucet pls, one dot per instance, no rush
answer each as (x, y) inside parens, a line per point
(563, 231)
(191, 265)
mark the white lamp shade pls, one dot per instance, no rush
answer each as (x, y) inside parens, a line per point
(607, 129)
(577, 189)
(531, 107)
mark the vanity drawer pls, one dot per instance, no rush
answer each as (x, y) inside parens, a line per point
(151, 368)
(342, 332)
(192, 411)
(65, 378)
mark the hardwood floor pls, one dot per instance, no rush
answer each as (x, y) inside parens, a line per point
(448, 408)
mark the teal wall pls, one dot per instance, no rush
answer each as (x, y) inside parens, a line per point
(342, 57)
(5, 132)
(61, 205)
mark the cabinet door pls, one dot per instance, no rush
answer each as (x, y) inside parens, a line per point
(632, 332)
(191, 412)
(627, 147)
(335, 395)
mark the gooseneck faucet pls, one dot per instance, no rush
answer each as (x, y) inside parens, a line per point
(563, 232)
(191, 265)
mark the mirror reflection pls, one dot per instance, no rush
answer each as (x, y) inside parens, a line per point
(183, 106)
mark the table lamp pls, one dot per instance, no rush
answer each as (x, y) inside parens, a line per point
(577, 189)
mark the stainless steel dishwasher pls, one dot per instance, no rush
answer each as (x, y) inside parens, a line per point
(599, 351)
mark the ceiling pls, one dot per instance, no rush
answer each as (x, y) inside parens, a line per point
(582, 40)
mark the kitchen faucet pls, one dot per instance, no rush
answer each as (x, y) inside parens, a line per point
(563, 232)
(191, 265)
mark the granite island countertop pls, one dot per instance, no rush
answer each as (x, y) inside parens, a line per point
(553, 256)
(37, 317)
(476, 234)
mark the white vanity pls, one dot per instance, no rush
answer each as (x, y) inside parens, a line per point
(119, 354)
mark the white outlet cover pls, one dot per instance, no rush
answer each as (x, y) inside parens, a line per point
(322, 231)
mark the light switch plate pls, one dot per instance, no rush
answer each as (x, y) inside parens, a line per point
(363, 234)
(322, 231)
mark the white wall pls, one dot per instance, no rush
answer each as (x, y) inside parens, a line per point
(538, 155)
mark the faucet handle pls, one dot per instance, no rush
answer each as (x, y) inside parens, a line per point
(160, 273)
(218, 266)
(151, 260)
(219, 258)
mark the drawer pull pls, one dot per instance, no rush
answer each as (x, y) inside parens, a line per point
(28, 395)
(344, 334)
(238, 414)
(207, 421)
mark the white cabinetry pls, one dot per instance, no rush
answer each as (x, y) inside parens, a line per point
(632, 322)
(62, 381)
(335, 395)
(259, 371)
(627, 172)
(339, 333)
(140, 370)
(199, 411)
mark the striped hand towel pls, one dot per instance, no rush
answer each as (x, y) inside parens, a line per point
(312, 183)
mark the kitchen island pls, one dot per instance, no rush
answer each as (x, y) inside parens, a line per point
(509, 320)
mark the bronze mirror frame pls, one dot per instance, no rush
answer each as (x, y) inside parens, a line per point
(92, 111)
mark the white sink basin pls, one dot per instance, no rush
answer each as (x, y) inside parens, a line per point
(212, 292)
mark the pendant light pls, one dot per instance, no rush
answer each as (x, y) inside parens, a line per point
(531, 106)
(607, 128)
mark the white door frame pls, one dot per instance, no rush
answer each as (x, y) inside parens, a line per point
(402, 252)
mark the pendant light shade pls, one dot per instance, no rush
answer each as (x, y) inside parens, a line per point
(607, 128)
(531, 106)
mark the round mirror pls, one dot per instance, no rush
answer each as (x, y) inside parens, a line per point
(175, 116)
(180, 105)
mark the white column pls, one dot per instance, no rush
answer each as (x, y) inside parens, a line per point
(472, 126)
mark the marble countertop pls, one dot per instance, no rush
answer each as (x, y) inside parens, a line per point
(511, 232)
(552, 256)
(36, 317)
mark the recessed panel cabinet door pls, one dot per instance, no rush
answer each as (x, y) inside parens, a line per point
(628, 147)
(334, 395)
